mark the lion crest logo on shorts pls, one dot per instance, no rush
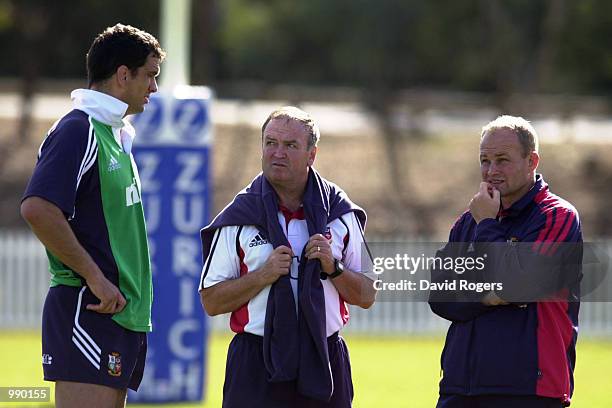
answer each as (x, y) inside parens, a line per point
(114, 364)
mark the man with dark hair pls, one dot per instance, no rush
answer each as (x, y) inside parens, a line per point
(513, 347)
(284, 258)
(83, 204)
(120, 45)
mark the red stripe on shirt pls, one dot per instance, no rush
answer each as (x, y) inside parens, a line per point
(344, 311)
(554, 338)
(542, 194)
(542, 235)
(547, 203)
(240, 317)
(560, 219)
(291, 215)
(570, 221)
(563, 234)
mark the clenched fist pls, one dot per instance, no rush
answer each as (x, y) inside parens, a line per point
(278, 264)
(486, 203)
(319, 247)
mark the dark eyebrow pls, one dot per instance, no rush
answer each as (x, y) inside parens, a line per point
(268, 137)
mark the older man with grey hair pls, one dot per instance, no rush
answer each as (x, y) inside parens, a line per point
(284, 258)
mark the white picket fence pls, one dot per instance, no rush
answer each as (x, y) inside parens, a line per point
(24, 281)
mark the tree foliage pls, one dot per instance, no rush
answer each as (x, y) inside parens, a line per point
(481, 45)
(56, 35)
(478, 45)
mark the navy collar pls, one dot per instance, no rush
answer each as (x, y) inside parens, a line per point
(525, 200)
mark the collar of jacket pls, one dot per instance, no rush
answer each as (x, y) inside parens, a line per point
(519, 205)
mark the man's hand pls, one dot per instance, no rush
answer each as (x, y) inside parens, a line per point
(229, 295)
(319, 247)
(485, 204)
(491, 299)
(50, 226)
(111, 299)
(277, 265)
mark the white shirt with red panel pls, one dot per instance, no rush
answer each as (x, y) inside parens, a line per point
(237, 251)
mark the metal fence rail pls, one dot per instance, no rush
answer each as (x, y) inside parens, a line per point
(24, 281)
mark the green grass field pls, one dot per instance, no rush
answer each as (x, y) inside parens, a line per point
(387, 372)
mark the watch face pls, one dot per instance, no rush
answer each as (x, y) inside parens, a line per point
(339, 267)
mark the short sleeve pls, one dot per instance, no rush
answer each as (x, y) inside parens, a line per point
(68, 152)
(222, 263)
(355, 248)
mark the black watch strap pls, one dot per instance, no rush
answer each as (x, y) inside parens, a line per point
(339, 269)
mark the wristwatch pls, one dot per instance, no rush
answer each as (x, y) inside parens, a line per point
(339, 268)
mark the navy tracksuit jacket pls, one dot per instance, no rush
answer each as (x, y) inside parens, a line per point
(523, 348)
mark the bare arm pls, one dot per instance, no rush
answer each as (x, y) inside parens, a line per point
(228, 296)
(50, 226)
(355, 288)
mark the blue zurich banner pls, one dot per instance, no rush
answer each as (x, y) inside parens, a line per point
(172, 150)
